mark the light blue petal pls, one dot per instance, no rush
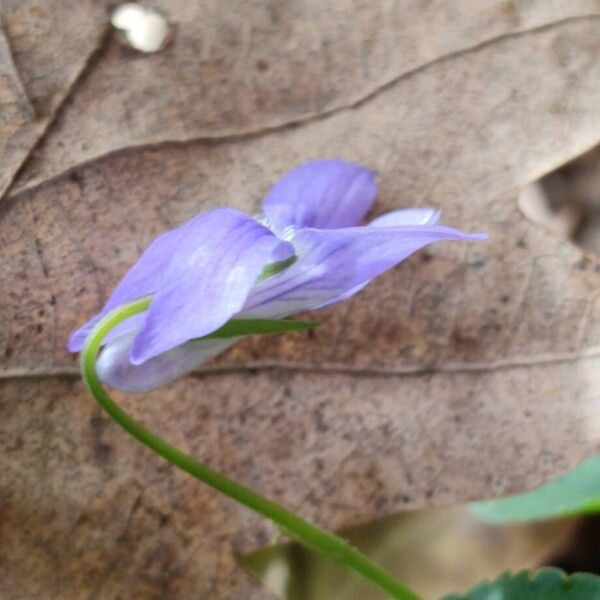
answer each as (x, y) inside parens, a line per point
(403, 216)
(333, 264)
(407, 216)
(116, 371)
(324, 193)
(141, 280)
(207, 280)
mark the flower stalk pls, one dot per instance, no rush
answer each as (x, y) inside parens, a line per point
(300, 530)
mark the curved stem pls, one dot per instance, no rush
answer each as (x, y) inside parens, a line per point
(304, 532)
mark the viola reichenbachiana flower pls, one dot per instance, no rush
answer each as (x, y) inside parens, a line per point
(304, 252)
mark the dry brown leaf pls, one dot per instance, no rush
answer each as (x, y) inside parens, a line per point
(16, 107)
(267, 64)
(44, 47)
(470, 371)
(434, 551)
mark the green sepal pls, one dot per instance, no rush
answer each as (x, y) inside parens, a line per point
(276, 267)
(243, 327)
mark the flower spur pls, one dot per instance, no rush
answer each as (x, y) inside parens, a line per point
(304, 252)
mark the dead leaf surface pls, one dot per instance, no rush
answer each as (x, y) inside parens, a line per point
(470, 371)
(16, 107)
(267, 64)
(44, 47)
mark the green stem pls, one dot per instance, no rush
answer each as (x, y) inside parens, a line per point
(304, 532)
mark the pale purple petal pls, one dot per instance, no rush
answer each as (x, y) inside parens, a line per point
(207, 281)
(115, 369)
(143, 278)
(407, 216)
(325, 194)
(333, 264)
(77, 340)
(403, 216)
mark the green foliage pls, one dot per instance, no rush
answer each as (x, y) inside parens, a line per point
(576, 493)
(546, 584)
(242, 327)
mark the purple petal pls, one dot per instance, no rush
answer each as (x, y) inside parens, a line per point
(333, 264)
(326, 194)
(142, 279)
(407, 216)
(207, 281)
(403, 216)
(116, 370)
(77, 340)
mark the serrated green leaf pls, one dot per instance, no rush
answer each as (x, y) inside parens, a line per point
(546, 584)
(243, 327)
(576, 493)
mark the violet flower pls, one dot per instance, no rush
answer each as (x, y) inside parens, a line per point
(304, 252)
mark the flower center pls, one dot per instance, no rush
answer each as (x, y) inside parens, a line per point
(287, 234)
